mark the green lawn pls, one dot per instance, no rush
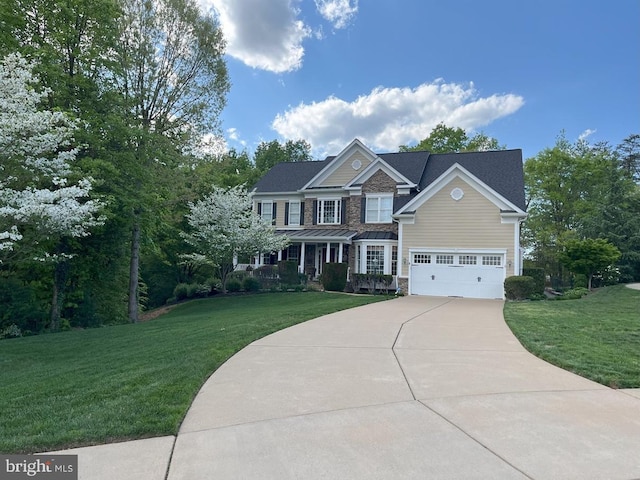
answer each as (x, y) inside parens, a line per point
(597, 337)
(134, 381)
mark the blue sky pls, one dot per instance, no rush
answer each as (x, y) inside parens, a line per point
(388, 71)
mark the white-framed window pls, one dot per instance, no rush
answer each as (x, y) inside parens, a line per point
(444, 259)
(468, 260)
(379, 209)
(394, 260)
(329, 212)
(266, 211)
(492, 260)
(294, 213)
(421, 258)
(375, 259)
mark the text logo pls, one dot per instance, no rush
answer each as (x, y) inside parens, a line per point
(49, 467)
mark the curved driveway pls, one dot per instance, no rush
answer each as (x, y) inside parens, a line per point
(413, 388)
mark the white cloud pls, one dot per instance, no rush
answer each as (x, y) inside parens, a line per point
(586, 134)
(262, 34)
(389, 117)
(338, 12)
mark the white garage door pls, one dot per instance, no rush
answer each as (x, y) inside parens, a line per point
(476, 275)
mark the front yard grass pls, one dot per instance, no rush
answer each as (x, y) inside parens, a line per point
(597, 337)
(134, 381)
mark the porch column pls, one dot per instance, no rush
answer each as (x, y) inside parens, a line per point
(328, 256)
(340, 248)
(280, 255)
(302, 249)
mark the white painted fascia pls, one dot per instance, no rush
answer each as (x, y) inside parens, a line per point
(380, 164)
(457, 170)
(322, 175)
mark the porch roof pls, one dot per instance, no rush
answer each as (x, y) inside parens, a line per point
(319, 235)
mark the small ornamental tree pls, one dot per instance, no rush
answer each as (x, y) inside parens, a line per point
(224, 226)
(589, 256)
(38, 196)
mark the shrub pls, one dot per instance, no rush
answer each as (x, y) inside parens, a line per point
(181, 291)
(574, 294)
(371, 281)
(334, 277)
(233, 285)
(519, 288)
(288, 272)
(580, 281)
(266, 271)
(538, 276)
(251, 284)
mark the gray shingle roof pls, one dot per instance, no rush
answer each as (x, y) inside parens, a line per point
(289, 176)
(501, 170)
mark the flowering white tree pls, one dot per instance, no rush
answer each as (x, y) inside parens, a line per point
(36, 154)
(223, 226)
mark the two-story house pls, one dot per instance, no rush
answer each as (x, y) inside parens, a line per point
(441, 224)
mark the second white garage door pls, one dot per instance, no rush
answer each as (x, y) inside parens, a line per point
(477, 275)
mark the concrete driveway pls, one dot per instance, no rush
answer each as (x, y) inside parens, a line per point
(413, 388)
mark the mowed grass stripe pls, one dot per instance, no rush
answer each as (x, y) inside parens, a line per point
(134, 381)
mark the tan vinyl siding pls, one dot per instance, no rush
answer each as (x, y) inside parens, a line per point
(345, 172)
(472, 222)
(280, 213)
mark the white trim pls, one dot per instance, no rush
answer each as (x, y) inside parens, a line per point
(374, 167)
(387, 244)
(322, 175)
(379, 197)
(458, 171)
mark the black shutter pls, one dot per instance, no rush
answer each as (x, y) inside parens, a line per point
(343, 211)
(302, 212)
(259, 208)
(315, 212)
(286, 213)
(273, 213)
(363, 210)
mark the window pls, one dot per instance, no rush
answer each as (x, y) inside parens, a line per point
(294, 213)
(266, 211)
(329, 212)
(293, 253)
(379, 209)
(421, 258)
(468, 260)
(394, 260)
(444, 259)
(375, 259)
(492, 260)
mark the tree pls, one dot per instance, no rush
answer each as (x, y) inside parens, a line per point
(589, 256)
(174, 81)
(629, 151)
(224, 227)
(38, 193)
(271, 153)
(579, 190)
(443, 139)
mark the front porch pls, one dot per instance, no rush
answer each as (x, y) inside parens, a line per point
(311, 249)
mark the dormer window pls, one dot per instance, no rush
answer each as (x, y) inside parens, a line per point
(379, 208)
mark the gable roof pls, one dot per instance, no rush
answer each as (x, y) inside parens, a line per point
(501, 170)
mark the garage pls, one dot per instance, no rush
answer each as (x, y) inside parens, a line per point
(456, 274)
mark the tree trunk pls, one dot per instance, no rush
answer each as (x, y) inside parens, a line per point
(57, 299)
(59, 281)
(134, 267)
(589, 284)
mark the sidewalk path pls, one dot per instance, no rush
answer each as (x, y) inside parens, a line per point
(413, 388)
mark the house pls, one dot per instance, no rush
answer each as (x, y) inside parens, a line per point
(441, 224)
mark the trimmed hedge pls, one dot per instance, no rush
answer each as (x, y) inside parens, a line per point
(334, 277)
(519, 288)
(538, 276)
(288, 272)
(371, 281)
